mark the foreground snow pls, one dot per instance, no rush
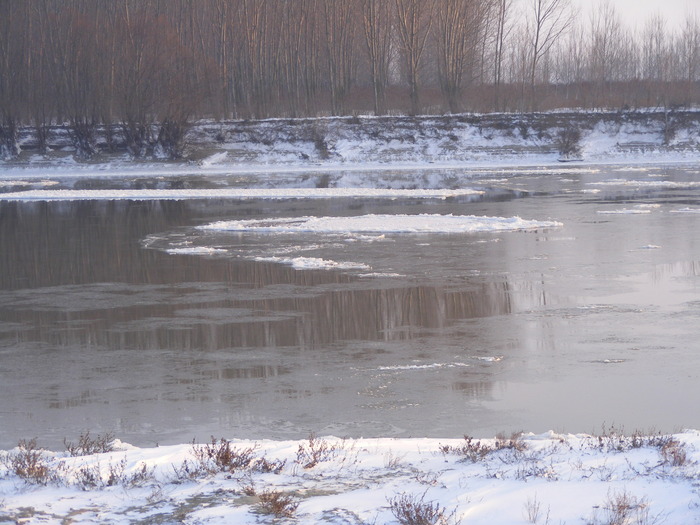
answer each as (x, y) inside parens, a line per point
(548, 478)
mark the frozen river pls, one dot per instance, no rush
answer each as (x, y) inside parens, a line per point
(367, 314)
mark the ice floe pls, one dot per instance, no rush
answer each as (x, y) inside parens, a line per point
(400, 223)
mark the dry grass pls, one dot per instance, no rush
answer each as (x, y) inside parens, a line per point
(477, 450)
(316, 450)
(623, 508)
(220, 456)
(410, 509)
(30, 463)
(88, 445)
(673, 453)
(279, 504)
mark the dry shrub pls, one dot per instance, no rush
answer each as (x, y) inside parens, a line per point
(266, 466)
(615, 440)
(316, 451)
(410, 509)
(476, 450)
(87, 445)
(30, 463)
(673, 453)
(623, 508)
(220, 456)
(278, 504)
(91, 476)
(532, 509)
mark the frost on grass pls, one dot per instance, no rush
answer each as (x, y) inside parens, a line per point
(609, 478)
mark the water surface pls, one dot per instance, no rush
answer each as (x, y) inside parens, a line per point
(124, 316)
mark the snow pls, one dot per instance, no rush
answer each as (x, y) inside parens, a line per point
(400, 223)
(547, 478)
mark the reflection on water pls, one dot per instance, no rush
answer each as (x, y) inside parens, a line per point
(478, 334)
(112, 316)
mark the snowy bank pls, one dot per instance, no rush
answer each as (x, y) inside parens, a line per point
(550, 478)
(449, 140)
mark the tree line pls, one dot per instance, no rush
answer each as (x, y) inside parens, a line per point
(142, 69)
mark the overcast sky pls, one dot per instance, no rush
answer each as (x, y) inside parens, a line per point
(637, 11)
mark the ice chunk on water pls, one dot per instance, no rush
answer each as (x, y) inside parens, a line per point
(423, 223)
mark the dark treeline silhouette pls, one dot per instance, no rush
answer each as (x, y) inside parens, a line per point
(141, 69)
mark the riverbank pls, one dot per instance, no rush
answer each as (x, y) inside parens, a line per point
(351, 142)
(550, 478)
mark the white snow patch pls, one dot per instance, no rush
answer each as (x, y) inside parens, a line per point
(195, 250)
(488, 359)
(423, 223)
(25, 183)
(624, 211)
(314, 263)
(431, 366)
(216, 158)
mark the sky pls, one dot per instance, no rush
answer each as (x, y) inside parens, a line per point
(638, 11)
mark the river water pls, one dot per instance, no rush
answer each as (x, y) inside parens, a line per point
(126, 317)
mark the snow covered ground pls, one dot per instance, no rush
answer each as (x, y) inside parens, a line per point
(605, 479)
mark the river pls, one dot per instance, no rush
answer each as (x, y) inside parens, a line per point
(126, 316)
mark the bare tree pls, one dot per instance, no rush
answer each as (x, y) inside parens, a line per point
(501, 19)
(690, 49)
(549, 20)
(413, 22)
(458, 31)
(339, 38)
(13, 82)
(604, 53)
(656, 59)
(377, 26)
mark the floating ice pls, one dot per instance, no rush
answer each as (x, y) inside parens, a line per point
(314, 263)
(237, 193)
(488, 359)
(686, 210)
(423, 223)
(431, 366)
(625, 211)
(662, 184)
(196, 250)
